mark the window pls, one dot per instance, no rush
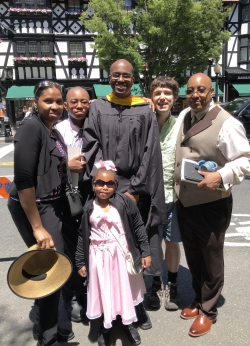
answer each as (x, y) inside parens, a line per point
(17, 3)
(20, 46)
(45, 48)
(76, 49)
(74, 6)
(32, 48)
(29, 4)
(127, 5)
(244, 49)
(245, 13)
(41, 3)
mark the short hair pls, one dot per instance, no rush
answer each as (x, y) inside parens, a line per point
(165, 82)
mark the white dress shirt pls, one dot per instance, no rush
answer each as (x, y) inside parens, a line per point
(233, 144)
(69, 132)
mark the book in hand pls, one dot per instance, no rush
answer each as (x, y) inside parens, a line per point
(189, 171)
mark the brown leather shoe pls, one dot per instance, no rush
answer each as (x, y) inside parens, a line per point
(190, 312)
(201, 325)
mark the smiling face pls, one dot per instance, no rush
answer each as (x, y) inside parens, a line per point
(163, 100)
(121, 78)
(49, 106)
(77, 105)
(104, 192)
(199, 92)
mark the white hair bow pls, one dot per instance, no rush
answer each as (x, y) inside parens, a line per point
(109, 165)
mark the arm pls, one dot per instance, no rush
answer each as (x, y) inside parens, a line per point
(91, 146)
(233, 144)
(79, 256)
(26, 158)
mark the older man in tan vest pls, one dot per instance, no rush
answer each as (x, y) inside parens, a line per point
(204, 210)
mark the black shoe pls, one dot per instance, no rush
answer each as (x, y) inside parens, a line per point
(172, 299)
(132, 334)
(54, 344)
(103, 339)
(144, 321)
(62, 334)
(155, 294)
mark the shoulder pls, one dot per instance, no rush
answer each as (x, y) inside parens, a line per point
(30, 125)
(88, 206)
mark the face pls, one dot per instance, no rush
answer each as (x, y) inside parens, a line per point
(121, 78)
(77, 105)
(50, 106)
(199, 92)
(163, 100)
(104, 192)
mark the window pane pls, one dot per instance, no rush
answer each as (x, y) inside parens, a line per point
(245, 13)
(41, 3)
(20, 45)
(29, 3)
(76, 48)
(32, 48)
(74, 6)
(17, 3)
(127, 5)
(45, 47)
(243, 53)
(243, 41)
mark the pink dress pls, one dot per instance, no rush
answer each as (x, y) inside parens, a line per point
(111, 290)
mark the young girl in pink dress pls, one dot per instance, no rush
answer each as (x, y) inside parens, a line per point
(111, 290)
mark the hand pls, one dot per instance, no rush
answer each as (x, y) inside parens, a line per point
(82, 272)
(150, 103)
(43, 238)
(76, 165)
(211, 181)
(134, 198)
(146, 262)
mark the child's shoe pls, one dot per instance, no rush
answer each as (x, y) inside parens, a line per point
(132, 334)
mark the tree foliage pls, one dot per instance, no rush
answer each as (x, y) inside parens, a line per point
(159, 37)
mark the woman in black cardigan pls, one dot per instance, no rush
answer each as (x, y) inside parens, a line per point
(34, 203)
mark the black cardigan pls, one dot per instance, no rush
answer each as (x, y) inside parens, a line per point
(133, 225)
(36, 158)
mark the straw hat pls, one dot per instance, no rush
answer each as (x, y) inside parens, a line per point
(38, 273)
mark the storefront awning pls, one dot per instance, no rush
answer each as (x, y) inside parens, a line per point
(24, 92)
(243, 89)
(182, 90)
(102, 90)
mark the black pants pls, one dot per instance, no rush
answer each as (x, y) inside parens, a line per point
(50, 213)
(153, 238)
(73, 289)
(203, 229)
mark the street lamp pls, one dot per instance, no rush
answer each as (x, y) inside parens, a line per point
(217, 71)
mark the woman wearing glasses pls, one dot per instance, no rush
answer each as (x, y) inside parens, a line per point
(34, 203)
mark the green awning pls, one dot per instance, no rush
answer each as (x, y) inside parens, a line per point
(25, 92)
(102, 90)
(243, 89)
(182, 90)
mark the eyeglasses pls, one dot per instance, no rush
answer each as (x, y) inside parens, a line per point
(75, 102)
(199, 91)
(47, 83)
(100, 183)
(117, 75)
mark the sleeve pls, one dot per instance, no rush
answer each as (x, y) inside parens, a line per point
(26, 155)
(79, 255)
(233, 144)
(139, 228)
(91, 147)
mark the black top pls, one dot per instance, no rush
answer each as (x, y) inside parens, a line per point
(36, 158)
(133, 226)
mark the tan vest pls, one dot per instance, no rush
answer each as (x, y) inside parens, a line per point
(199, 143)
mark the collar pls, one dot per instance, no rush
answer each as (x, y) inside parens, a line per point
(125, 101)
(73, 126)
(201, 114)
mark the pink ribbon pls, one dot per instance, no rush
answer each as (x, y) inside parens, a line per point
(109, 165)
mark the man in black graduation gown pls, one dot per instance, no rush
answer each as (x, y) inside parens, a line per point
(123, 128)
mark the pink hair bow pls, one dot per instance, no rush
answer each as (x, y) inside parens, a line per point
(109, 165)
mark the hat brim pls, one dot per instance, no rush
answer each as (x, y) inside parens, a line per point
(56, 265)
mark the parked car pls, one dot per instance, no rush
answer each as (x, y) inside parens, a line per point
(240, 109)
